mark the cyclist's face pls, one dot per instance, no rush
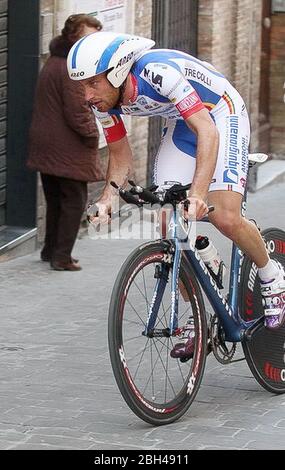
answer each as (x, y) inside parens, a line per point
(100, 93)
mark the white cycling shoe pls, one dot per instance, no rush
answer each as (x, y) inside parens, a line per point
(273, 300)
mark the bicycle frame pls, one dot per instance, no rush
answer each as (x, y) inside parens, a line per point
(226, 309)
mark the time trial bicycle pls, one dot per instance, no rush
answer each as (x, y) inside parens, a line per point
(157, 297)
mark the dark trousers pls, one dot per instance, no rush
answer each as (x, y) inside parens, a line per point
(66, 200)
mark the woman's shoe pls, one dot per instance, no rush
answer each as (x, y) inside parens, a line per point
(63, 266)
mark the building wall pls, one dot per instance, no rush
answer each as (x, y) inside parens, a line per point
(139, 137)
(277, 85)
(229, 37)
(247, 60)
(216, 35)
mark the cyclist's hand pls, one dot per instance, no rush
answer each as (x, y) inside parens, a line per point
(197, 208)
(99, 213)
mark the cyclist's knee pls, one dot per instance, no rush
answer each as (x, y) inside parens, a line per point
(227, 222)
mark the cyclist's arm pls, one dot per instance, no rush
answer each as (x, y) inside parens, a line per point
(119, 171)
(168, 81)
(179, 91)
(207, 151)
(198, 119)
(171, 83)
(120, 167)
(120, 154)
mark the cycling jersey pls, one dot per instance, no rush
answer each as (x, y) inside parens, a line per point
(176, 85)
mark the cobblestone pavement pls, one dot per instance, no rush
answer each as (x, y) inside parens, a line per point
(57, 389)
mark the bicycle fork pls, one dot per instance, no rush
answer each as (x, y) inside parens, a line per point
(162, 275)
(173, 254)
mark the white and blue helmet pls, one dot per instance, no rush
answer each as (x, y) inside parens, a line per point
(106, 52)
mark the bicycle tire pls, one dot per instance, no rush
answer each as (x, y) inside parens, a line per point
(265, 352)
(153, 409)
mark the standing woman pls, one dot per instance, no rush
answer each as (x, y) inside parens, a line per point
(63, 145)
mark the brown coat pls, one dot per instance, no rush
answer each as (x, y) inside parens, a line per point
(63, 137)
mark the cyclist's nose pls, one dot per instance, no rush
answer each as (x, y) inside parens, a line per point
(88, 93)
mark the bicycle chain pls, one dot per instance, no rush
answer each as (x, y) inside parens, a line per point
(222, 353)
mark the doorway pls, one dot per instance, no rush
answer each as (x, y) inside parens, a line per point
(19, 30)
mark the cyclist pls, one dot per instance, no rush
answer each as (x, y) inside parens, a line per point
(205, 139)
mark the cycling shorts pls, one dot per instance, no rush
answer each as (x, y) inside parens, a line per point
(176, 157)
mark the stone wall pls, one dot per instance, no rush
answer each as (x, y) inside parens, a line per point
(139, 137)
(277, 81)
(229, 37)
(216, 34)
(247, 60)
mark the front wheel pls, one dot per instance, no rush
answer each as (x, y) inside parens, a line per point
(158, 388)
(265, 352)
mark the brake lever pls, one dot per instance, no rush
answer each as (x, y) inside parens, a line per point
(127, 196)
(144, 193)
(186, 205)
(151, 188)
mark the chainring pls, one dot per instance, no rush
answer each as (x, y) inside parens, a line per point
(222, 350)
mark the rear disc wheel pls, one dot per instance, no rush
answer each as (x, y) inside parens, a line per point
(265, 352)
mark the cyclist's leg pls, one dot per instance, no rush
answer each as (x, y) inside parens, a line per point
(226, 193)
(228, 220)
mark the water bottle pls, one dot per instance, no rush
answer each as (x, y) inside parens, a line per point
(211, 257)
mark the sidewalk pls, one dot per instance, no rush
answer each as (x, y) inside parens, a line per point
(57, 389)
(272, 171)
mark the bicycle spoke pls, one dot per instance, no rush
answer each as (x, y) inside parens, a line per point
(140, 291)
(145, 349)
(165, 387)
(164, 313)
(152, 381)
(163, 366)
(153, 367)
(142, 354)
(132, 338)
(183, 314)
(151, 377)
(143, 323)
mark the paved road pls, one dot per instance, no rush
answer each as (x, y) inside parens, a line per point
(56, 386)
